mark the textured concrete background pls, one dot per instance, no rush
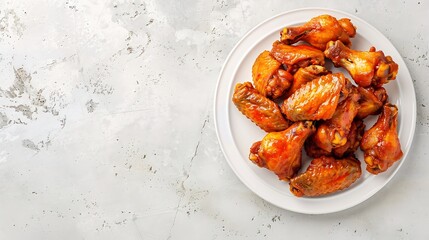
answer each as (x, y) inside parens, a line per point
(106, 124)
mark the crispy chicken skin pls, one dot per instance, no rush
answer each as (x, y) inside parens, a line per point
(295, 57)
(261, 110)
(371, 102)
(315, 100)
(305, 75)
(302, 105)
(347, 89)
(333, 132)
(269, 78)
(348, 28)
(380, 143)
(353, 140)
(326, 175)
(313, 150)
(366, 68)
(280, 152)
(319, 31)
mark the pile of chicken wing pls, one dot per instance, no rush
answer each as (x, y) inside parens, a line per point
(301, 104)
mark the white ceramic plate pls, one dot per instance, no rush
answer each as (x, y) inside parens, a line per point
(236, 133)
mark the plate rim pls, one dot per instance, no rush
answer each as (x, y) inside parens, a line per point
(403, 68)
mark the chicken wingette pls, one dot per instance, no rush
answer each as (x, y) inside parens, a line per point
(259, 109)
(315, 100)
(305, 75)
(326, 175)
(269, 78)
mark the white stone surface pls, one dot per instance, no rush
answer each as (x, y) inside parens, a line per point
(106, 124)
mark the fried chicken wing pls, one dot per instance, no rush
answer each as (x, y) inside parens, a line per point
(295, 57)
(353, 140)
(315, 100)
(366, 68)
(268, 76)
(319, 31)
(313, 150)
(348, 28)
(280, 152)
(326, 175)
(347, 89)
(372, 99)
(261, 110)
(333, 133)
(380, 143)
(305, 75)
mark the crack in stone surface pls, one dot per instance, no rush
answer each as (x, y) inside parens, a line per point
(187, 174)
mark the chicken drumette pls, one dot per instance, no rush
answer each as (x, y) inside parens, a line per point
(270, 79)
(315, 100)
(280, 152)
(380, 143)
(353, 140)
(366, 68)
(333, 133)
(295, 57)
(261, 110)
(319, 31)
(326, 175)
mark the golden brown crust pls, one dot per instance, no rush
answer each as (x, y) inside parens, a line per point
(294, 94)
(315, 100)
(353, 140)
(305, 75)
(366, 67)
(295, 57)
(380, 143)
(326, 175)
(280, 152)
(372, 101)
(261, 110)
(319, 31)
(333, 132)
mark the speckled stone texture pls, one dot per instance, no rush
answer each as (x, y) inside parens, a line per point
(106, 124)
